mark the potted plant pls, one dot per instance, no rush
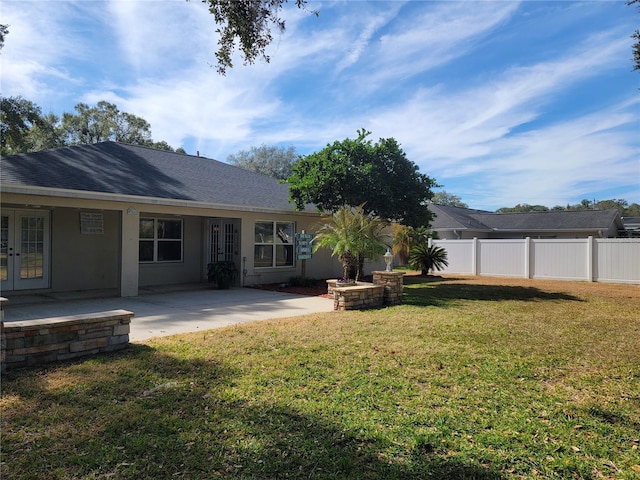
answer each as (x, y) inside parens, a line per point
(223, 273)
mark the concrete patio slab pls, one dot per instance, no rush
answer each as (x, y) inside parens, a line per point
(170, 311)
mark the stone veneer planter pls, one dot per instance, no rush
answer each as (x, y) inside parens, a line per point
(386, 289)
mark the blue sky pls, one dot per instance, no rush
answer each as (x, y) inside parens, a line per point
(502, 102)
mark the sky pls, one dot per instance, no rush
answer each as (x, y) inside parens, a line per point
(501, 102)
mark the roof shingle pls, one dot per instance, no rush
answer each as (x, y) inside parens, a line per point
(117, 168)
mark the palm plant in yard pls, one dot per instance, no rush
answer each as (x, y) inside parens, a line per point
(427, 258)
(405, 237)
(352, 235)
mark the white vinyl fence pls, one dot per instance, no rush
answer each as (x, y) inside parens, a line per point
(615, 260)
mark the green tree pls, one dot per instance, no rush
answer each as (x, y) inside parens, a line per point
(352, 235)
(401, 242)
(46, 133)
(427, 258)
(23, 128)
(404, 238)
(104, 122)
(635, 48)
(268, 160)
(358, 172)
(632, 210)
(4, 31)
(246, 24)
(523, 208)
(444, 198)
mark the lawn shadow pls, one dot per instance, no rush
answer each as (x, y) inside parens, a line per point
(612, 417)
(148, 414)
(444, 292)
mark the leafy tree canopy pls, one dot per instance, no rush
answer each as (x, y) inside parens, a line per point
(625, 209)
(522, 208)
(635, 48)
(104, 122)
(444, 198)
(359, 172)
(269, 160)
(4, 30)
(246, 24)
(23, 127)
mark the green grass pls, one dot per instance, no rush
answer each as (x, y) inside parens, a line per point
(469, 379)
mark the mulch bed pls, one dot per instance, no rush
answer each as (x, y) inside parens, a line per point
(318, 289)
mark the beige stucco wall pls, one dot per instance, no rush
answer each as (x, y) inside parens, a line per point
(109, 260)
(321, 266)
(83, 261)
(192, 265)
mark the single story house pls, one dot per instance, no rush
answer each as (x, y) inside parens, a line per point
(631, 226)
(464, 223)
(123, 217)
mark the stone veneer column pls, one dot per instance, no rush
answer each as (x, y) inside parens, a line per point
(393, 286)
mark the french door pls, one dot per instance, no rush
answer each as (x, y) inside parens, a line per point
(223, 240)
(24, 249)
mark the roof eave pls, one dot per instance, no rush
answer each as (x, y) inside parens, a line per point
(548, 230)
(114, 197)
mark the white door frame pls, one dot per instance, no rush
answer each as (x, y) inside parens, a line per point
(223, 240)
(25, 249)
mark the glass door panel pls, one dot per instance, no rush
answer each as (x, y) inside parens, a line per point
(24, 249)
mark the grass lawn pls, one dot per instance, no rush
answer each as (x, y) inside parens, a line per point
(472, 378)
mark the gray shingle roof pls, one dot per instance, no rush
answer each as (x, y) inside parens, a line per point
(554, 220)
(116, 168)
(448, 217)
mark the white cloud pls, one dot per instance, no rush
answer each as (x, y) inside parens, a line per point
(36, 48)
(383, 66)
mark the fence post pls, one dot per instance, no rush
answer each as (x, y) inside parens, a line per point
(527, 257)
(590, 258)
(474, 256)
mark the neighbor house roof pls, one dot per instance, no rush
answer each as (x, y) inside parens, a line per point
(457, 218)
(111, 168)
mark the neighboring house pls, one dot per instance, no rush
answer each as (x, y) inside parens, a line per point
(123, 217)
(631, 226)
(464, 223)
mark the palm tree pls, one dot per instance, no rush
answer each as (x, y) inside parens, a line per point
(401, 242)
(369, 235)
(404, 238)
(352, 235)
(425, 258)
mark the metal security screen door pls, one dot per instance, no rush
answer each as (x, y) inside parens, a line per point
(24, 249)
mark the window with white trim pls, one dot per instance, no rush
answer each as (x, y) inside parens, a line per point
(273, 244)
(160, 240)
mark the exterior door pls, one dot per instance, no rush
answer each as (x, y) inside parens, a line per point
(24, 249)
(223, 245)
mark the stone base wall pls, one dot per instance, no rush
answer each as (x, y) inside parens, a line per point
(393, 286)
(332, 284)
(358, 297)
(34, 342)
(386, 289)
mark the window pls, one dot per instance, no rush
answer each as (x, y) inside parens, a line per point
(160, 240)
(274, 243)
